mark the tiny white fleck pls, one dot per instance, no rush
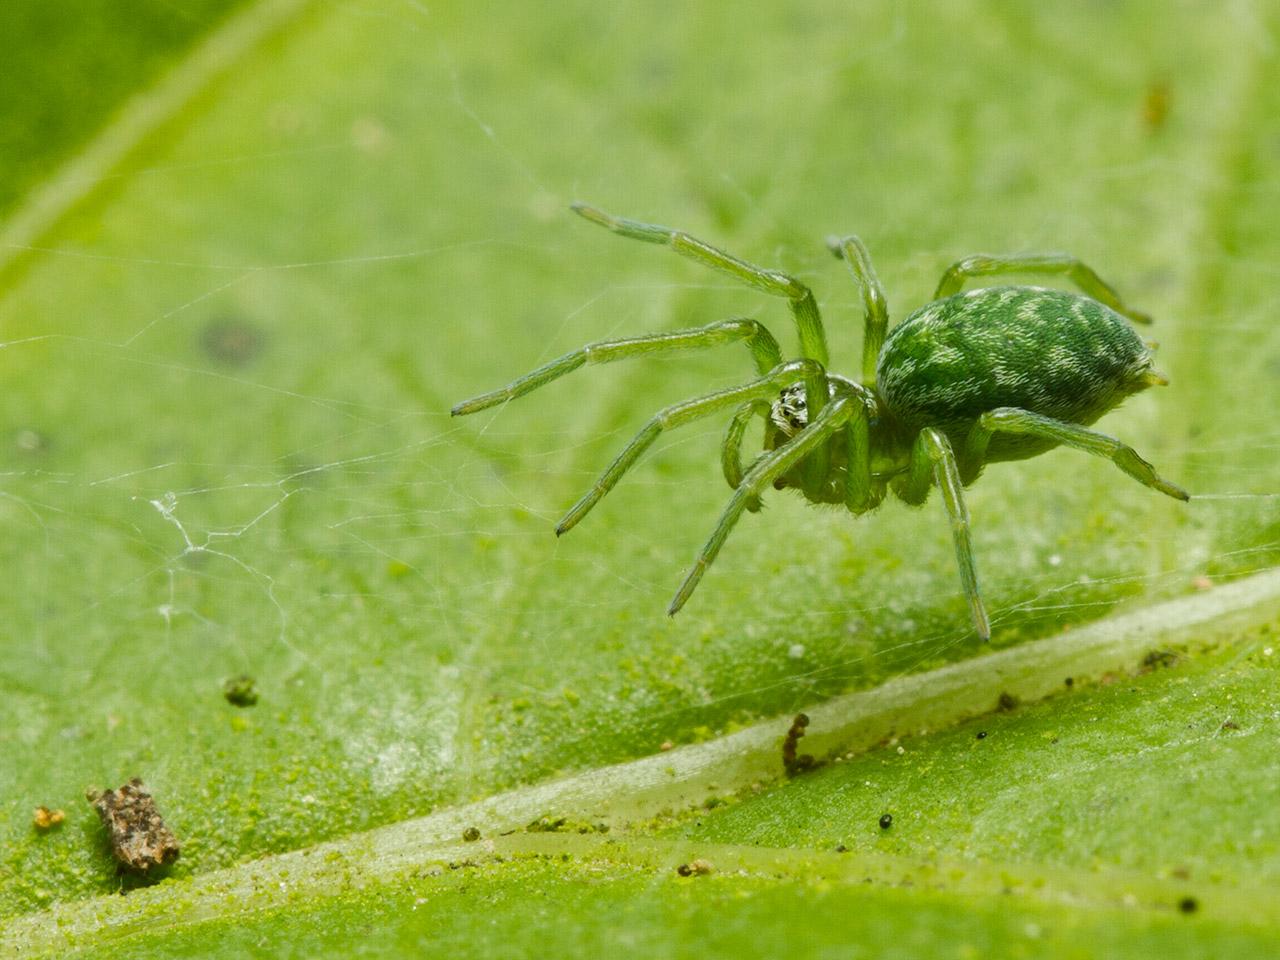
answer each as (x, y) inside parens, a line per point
(1267, 652)
(796, 652)
(1054, 559)
(29, 441)
(1032, 930)
(902, 750)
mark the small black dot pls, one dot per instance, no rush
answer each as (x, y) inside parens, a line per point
(982, 734)
(886, 821)
(1070, 681)
(1188, 904)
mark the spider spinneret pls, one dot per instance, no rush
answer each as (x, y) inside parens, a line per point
(970, 378)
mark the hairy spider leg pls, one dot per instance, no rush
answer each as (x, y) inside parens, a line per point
(933, 461)
(1049, 264)
(763, 472)
(813, 338)
(677, 415)
(1015, 420)
(875, 307)
(760, 341)
(731, 448)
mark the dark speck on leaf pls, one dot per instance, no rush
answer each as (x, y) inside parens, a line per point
(1188, 905)
(982, 734)
(471, 834)
(886, 821)
(695, 868)
(231, 341)
(1156, 659)
(1007, 702)
(240, 691)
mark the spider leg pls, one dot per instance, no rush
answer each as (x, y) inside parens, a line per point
(731, 449)
(765, 388)
(1049, 264)
(813, 340)
(1014, 420)
(760, 341)
(875, 308)
(933, 459)
(761, 475)
(858, 495)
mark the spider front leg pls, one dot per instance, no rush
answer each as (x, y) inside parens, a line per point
(1048, 264)
(1014, 420)
(813, 340)
(875, 309)
(759, 478)
(932, 460)
(731, 449)
(765, 388)
(759, 340)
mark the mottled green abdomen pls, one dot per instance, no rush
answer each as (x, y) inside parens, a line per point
(1055, 353)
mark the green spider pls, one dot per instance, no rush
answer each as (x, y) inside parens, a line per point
(997, 373)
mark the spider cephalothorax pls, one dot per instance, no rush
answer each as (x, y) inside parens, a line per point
(997, 373)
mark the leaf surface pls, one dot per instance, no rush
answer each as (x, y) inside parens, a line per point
(228, 373)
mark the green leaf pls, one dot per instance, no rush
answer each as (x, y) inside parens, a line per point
(228, 371)
(69, 66)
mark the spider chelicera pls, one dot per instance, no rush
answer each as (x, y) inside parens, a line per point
(996, 373)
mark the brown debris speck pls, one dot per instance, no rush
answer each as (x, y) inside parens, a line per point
(140, 840)
(790, 762)
(46, 819)
(695, 868)
(1007, 702)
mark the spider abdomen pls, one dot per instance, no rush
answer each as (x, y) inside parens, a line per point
(1054, 353)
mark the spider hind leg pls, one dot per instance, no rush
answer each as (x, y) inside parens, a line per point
(1044, 264)
(1015, 420)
